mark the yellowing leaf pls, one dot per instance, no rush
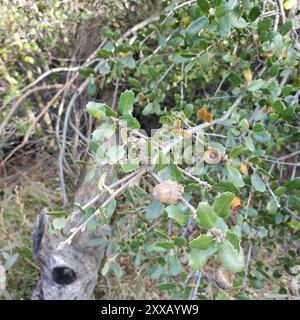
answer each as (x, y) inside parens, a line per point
(177, 124)
(289, 4)
(244, 169)
(185, 21)
(247, 75)
(123, 54)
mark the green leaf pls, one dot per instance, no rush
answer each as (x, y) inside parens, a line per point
(104, 131)
(202, 242)
(130, 165)
(255, 85)
(231, 259)
(130, 122)
(249, 144)
(293, 185)
(134, 82)
(286, 27)
(235, 176)
(197, 25)
(175, 266)
(223, 186)
(128, 62)
(236, 152)
(58, 214)
(198, 258)
(166, 286)
(105, 269)
(203, 5)
(225, 26)
(257, 182)
(206, 215)
(178, 212)
(117, 270)
(103, 53)
(126, 101)
(222, 204)
(104, 69)
(175, 172)
(154, 210)
(234, 239)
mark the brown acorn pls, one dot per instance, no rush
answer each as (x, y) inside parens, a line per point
(212, 156)
(224, 279)
(167, 192)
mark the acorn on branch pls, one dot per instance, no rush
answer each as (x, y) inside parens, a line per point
(167, 192)
(212, 156)
(224, 279)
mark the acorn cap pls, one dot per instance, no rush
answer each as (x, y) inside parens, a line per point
(167, 192)
(212, 156)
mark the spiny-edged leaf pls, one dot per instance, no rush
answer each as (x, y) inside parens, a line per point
(293, 184)
(221, 225)
(231, 259)
(234, 239)
(257, 182)
(202, 242)
(154, 210)
(175, 172)
(104, 131)
(197, 25)
(236, 151)
(178, 212)
(223, 186)
(129, 121)
(223, 203)
(126, 100)
(235, 176)
(206, 215)
(198, 257)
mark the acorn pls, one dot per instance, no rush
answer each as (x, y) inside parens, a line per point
(167, 192)
(212, 156)
(224, 279)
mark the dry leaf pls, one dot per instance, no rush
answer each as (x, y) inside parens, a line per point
(204, 115)
(236, 203)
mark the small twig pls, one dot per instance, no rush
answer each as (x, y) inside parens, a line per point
(247, 264)
(83, 225)
(272, 194)
(115, 95)
(194, 292)
(22, 98)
